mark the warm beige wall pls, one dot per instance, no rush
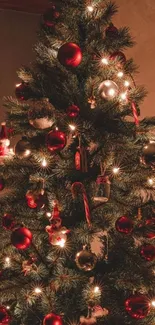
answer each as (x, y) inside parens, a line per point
(17, 35)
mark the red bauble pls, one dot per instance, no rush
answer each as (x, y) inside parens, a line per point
(148, 252)
(120, 56)
(22, 91)
(4, 317)
(124, 225)
(50, 16)
(70, 55)
(56, 141)
(73, 111)
(137, 306)
(149, 230)
(2, 184)
(111, 31)
(52, 319)
(21, 238)
(8, 222)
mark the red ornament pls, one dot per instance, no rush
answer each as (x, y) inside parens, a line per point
(73, 111)
(2, 184)
(56, 141)
(52, 319)
(120, 56)
(148, 252)
(4, 317)
(111, 31)
(50, 16)
(138, 306)
(21, 238)
(22, 91)
(36, 198)
(8, 222)
(70, 55)
(124, 225)
(149, 230)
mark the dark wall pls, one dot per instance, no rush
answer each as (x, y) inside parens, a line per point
(18, 35)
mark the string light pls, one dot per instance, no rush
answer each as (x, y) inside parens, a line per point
(97, 290)
(72, 127)
(123, 96)
(7, 307)
(120, 74)
(153, 303)
(126, 83)
(62, 242)
(7, 261)
(27, 152)
(56, 128)
(44, 163)
(37, 290)
(150, 181)
(90, 8)
(111, 92)
(48, 214)
(105, 61)
(116, 170)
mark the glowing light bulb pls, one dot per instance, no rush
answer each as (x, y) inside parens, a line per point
(153, 303)
(11, 151)
(105, 61)
(150, 181)
(37, 290)
(48, 214)
(115, 170)
(7, 261)
(123, 96)
(27, 153)
(120, 74)
(72, 127)
(7, 307)
(90, 8)
(96, 290)
(56, 128)
(18, 85)
(44, 163)
(62, 242)
(126, 83)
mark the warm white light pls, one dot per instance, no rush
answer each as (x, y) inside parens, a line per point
(111, 92)
(57, 128)
(18, 85)
(96, 290)
(7, 261)
(62, 242)
(150, 181)
(153, 303)
(120, 74)
(105, 61)
(90, 8)
(44, 163)
(116, 170)
(7, 307)
(123, 96)
(27, 152)
(48, 214)
(37, 290)
(126, 83)
(72, 127)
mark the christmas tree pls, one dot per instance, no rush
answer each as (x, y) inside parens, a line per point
(77, 195)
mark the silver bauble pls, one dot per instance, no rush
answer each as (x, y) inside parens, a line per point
(108, 89)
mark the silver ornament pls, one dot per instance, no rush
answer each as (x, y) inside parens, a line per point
(108, 89)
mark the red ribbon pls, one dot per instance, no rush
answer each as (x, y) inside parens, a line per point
(135, 114)
(78, 185)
